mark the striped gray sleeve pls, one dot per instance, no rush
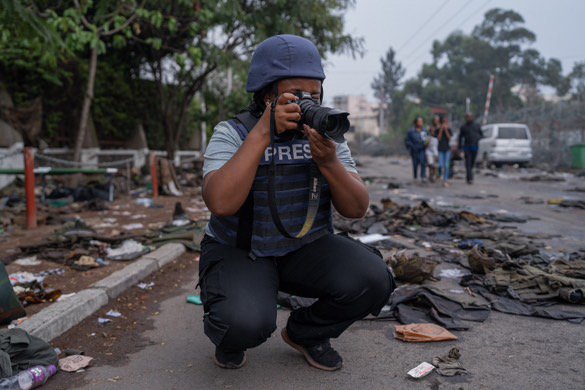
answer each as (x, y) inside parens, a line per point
(224, 143)
(344, 156)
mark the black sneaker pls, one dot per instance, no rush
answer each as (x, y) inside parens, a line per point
(230, 360)
(320, 356)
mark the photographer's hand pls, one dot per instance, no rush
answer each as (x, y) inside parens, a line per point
(323, 149)
(350, 195)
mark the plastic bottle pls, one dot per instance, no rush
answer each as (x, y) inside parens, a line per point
(28, 379)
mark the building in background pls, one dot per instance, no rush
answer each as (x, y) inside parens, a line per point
(363, 116)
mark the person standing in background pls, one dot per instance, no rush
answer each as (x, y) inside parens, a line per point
(432, 152)
(469, 136)
(444, 137)
(415, 143)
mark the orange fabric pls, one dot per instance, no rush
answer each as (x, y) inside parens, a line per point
(420, 333)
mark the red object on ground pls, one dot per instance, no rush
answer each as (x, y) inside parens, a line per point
(29, 188)
(154, 175)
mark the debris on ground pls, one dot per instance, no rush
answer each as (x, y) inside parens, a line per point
(449, 365)
(20, 351)
(28, 261)
(73, 363)
(194, 299)
(145, 286)
(114, 314)
(10, 306)
(421, 370)
(129, 250)
(422, 333)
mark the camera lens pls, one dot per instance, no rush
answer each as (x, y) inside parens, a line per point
(330, 122)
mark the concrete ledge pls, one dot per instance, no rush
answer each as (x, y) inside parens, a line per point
(119, 281)
(166, 253)
(62, 316)
(59, 317)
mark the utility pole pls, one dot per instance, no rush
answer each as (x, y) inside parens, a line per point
(488, 99)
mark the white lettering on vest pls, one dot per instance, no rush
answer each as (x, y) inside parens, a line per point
(297, 151)
(267, 153)
(282, 151)
(307, 150)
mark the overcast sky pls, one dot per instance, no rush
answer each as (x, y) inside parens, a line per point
(558, 25)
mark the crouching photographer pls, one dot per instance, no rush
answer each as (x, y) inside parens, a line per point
(271, 176)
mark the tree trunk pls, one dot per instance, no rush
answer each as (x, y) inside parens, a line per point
(86, 105)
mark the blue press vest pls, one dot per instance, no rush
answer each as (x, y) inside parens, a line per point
(293, 159)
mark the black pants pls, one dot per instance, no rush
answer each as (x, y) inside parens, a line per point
(470, 156)
(239, 294)
(419, 159)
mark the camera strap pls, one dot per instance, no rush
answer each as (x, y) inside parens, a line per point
(315, 182)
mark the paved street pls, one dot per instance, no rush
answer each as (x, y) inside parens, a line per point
(505, 352)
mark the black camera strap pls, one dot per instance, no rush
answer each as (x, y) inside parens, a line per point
(315, 182)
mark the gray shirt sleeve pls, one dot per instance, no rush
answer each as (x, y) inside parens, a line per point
(225, 141)
(344, 156)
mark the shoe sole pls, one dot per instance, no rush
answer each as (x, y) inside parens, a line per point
(231, 366)
(305, 353)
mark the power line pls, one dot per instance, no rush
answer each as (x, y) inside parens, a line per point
(465, 20)
(418, 30)
(432, 35)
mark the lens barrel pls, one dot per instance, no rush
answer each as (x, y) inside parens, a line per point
(330, 122)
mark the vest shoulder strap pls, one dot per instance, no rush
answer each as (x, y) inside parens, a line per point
(243, 123)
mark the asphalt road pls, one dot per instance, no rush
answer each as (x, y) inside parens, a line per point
(506, 352)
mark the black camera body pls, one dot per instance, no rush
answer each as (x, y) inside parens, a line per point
(329, 122)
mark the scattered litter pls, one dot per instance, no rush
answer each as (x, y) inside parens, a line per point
(138, 216)
(24, 278)
(102, 262)
(421, 370)
(28, 261)
(86, 262)
(103, 321)
(74, 363)
(411, 267)
(129, 250)
(17, 322)
(370, 238)
(114, 314)
(421, 333)
(145, 286)
(133, 226)
(454, 273)
(146, 202)
(194, 299)
(449, 364)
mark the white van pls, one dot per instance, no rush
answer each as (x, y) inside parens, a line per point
(505, 143)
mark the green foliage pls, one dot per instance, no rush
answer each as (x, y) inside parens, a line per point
(462, 65)
(578, 79)
(386, 85)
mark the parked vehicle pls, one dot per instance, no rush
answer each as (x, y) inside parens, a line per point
(505, 143)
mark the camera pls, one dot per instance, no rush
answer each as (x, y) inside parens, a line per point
(329, 122)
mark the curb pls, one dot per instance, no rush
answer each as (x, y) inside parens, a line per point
(59, 317)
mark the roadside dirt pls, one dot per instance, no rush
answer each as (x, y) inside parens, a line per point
(110, 344)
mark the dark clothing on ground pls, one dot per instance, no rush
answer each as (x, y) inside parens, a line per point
(444, 140)
(415, 144)
(20, 351)
(470, 156)
(239, 294)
